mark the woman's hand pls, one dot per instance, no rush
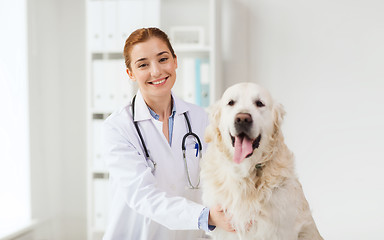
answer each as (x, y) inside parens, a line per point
(218, 218)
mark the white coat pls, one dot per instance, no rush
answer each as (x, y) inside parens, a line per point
(146, 205)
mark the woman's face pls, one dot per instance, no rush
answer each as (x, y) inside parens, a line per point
(153, 68)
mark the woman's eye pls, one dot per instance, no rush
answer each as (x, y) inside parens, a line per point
(259, 103)
(163, 59)
(142, 65)
(231, 103)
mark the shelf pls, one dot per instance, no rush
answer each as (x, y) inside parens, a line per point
(107, 55)
(100, 174)
(186, 49)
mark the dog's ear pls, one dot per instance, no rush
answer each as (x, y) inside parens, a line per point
(278, 116)
(212, 131)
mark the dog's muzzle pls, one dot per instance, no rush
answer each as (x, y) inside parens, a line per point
(243, 142)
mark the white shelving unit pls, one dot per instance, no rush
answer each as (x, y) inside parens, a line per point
(191, 26)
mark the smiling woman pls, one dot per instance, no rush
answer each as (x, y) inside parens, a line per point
(14, 132)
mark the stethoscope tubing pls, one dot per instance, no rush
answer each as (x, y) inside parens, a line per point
(189, 133)
(137, 128)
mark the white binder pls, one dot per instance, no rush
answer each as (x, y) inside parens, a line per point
(111, 81)
(97, 146)
(110, 28)
(95, 26)
(205, 86)
(189, 79)
(99, 85)
(124, 85)
(151, 13)
(100, 203)
(130, 17)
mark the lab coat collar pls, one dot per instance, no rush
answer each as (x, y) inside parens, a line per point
(181, 106)
(141, 109)
(142, 112)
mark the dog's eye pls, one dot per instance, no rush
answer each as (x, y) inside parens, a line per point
(231, 103)
(259, 103)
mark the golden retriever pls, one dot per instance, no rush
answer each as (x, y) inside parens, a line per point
(249, 170)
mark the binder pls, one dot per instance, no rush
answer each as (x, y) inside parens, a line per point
(111, 85)
(110, 28)
(189, 78)
(97, 158)
(99, 89)
(205, 86)
(96, 35)
(129, 18)
(198, 81)
(124, 86)
(151, 13)
(100, 203)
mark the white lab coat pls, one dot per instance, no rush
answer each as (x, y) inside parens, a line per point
(146, 205)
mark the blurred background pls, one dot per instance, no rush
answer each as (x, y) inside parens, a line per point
(62, 73)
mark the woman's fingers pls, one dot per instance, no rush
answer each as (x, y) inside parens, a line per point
(218, 218)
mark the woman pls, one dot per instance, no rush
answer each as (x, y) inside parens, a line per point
(152, 197)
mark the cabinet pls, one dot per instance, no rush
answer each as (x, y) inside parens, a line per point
(192, 28)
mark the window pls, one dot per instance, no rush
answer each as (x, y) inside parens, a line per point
(14, 124)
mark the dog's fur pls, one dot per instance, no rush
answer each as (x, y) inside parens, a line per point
(261, 193)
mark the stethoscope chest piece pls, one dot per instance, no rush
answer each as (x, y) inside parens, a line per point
(152, 164)
(198, 149)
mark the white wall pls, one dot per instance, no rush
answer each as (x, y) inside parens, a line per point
(56, 31)
(14, 144)
(324, 61)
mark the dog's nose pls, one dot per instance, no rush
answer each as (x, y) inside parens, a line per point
(243, 121)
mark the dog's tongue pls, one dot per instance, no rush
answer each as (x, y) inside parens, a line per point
(243, 147)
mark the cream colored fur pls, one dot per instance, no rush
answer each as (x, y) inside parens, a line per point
(267, 203)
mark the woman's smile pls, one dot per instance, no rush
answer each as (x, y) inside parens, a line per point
(159, 82)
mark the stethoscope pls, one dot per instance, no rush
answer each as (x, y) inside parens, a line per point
(152, 164)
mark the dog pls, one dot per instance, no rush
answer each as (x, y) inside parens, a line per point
(249, 171)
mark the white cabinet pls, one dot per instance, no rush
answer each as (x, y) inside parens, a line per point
(192, 28)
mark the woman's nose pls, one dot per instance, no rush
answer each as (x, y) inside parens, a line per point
(155, 70)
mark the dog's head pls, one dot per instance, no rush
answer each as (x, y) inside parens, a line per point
(244, 120)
